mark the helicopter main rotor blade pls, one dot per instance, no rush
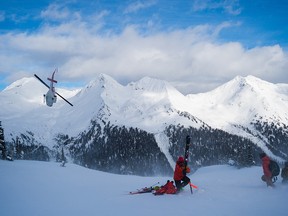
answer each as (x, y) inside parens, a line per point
(64, 99)
(41, 81)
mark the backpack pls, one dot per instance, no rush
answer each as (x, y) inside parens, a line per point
(274, 168)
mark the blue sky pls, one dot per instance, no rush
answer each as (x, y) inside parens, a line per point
(195, 44)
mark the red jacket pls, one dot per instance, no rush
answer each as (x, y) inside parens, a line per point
(178, 172)
(168, 188)
(265, 165)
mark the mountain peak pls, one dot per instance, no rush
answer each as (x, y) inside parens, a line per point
(149, 84)
(102, 81)
(159, 87)
(19, 83)
(250, 81)
(242, 85)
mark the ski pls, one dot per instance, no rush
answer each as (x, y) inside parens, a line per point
(186, 153)
(144, 190)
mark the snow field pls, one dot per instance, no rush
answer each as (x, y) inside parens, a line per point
(45, 188)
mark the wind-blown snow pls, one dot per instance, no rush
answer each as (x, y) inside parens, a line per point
(162, 141)
(45, 188)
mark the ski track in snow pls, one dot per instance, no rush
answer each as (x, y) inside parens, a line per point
(45, 188)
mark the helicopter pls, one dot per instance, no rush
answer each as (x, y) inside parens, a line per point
(51, 95)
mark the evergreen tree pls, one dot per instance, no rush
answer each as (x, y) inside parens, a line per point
(19, 149)
(63, 158)
(2, 142)
(249, 156)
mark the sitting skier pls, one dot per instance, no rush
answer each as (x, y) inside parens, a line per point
(168, 188)
(180, 178)
(284, 173)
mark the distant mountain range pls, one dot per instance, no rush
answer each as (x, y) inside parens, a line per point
(140, 128)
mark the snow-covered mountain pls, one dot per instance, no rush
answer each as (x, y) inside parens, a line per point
(245, 106)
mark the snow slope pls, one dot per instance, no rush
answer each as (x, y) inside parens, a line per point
(41, 188)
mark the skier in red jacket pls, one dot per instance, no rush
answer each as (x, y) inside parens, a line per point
(267, 177)
(180, 178)
(168, 188)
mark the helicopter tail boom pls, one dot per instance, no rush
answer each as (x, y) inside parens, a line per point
(52, 80)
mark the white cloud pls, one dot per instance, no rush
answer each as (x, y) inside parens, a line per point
(57, 12)
(139, 5)
(224, 25)
(229, 6)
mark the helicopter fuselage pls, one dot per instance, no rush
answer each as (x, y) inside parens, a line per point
(50, 98)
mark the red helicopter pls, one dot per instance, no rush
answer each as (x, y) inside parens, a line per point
(51, 95)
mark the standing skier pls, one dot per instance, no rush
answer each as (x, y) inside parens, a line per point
(267, 177)
(180, 178)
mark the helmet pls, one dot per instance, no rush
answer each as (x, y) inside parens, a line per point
(180, 159)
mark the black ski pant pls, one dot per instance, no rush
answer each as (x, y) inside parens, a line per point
(182, 183)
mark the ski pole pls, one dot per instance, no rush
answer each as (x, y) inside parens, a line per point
(191, 189)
